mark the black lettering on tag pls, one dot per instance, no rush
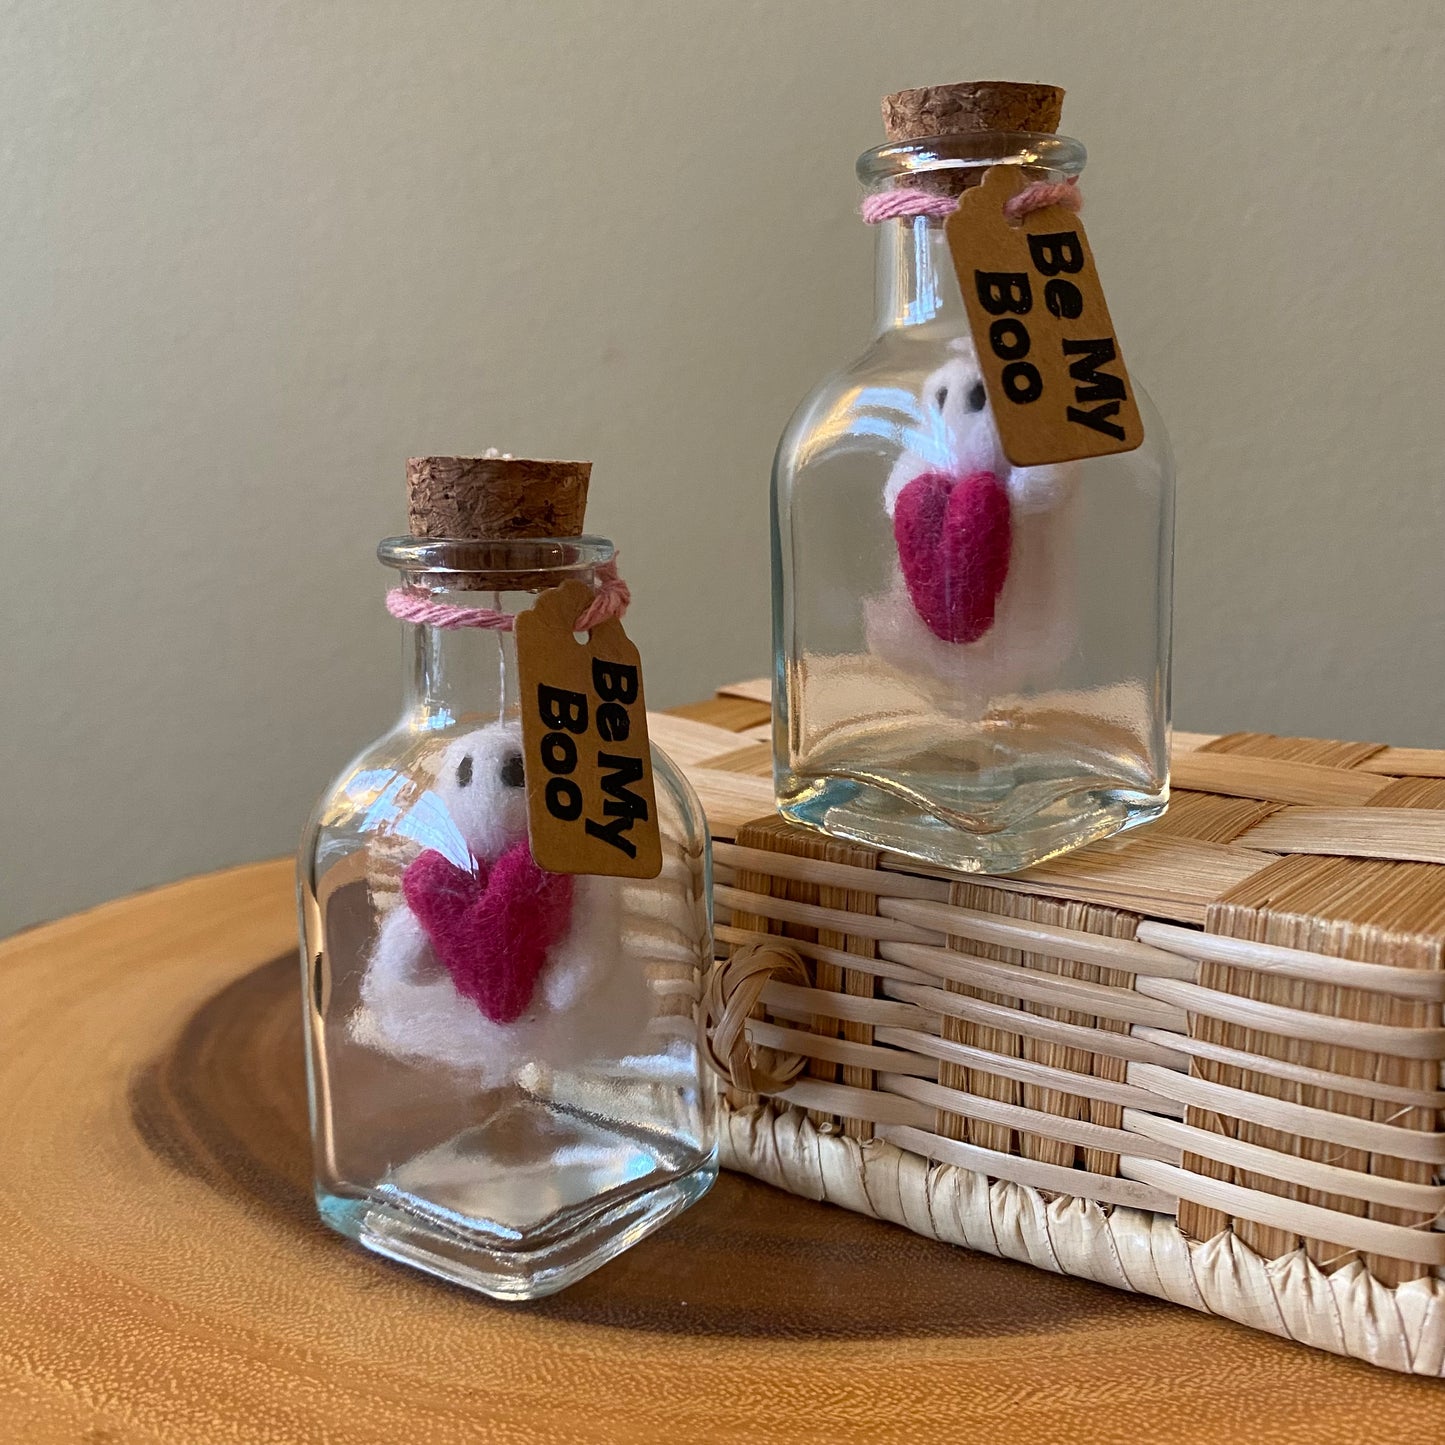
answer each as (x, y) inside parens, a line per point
(1054, 375)
(591, 804)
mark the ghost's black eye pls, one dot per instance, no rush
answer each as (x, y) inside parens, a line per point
(976, 397)
(464, 771)
(511, 771)
(940, 396)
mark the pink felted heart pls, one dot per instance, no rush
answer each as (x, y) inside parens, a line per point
(954, 537)
(491, 929)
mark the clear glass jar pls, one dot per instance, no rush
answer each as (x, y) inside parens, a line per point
(511, 1144)
(982, 750)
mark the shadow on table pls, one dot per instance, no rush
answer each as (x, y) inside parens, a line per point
(226, 1105)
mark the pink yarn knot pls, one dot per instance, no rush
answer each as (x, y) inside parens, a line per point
(611, 599)
(1036, 196)
(1040, 195)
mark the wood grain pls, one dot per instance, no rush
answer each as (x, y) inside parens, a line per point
(166, 1280)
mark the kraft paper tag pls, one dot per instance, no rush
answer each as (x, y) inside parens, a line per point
(1051, 363)
(591, 807)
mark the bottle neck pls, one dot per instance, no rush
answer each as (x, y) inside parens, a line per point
(456, 674)
(469, 673)
(914, 281)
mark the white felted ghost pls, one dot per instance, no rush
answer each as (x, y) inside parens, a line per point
(588, 1001)
(1033, 626)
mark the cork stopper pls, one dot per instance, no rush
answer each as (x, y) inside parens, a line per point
(488, 499)
(972, 105)
(495, 499)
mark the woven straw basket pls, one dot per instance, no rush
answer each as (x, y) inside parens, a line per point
(1201, 1061)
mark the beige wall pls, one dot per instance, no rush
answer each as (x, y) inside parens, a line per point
(255, 255)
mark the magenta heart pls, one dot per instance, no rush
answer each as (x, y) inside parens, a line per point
(491, 929)
(954, 538)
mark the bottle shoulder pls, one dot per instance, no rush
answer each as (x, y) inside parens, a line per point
(388, 788)
(899, 397)
(869, 396)
(374, 786)
(680, 809)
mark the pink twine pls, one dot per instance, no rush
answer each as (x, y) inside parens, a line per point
(416, 607)
(612, 599)
(1039, 195)
(890, 205)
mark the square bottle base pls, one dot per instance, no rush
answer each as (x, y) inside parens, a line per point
(524, 1204)
(881, 818)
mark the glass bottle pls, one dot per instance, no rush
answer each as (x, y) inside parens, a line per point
(983, 752)
(509, 1151)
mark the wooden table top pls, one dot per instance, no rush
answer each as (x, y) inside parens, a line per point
(166, 1278)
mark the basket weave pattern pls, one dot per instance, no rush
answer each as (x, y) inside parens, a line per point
(1201, 1061)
